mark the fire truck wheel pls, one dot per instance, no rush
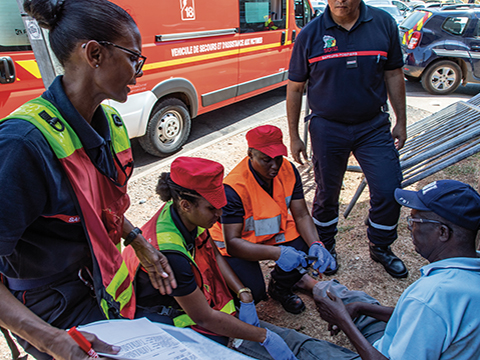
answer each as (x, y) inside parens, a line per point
(167, 129)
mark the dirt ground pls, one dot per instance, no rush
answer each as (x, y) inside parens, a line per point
(357, 271)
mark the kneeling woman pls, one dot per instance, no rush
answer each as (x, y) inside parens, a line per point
(194, 196)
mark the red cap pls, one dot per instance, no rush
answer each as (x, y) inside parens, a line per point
(202, 175)
(268, 140)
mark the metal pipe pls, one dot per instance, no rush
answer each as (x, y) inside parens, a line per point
(355, 197)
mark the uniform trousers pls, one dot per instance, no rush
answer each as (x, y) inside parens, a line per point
(372, 145)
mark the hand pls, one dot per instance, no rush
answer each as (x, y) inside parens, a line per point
(99, 346)
(324, 258)
(276, 347)
(290, 258)
(332, 310)
(248, 313)
(399, 134)
(297, 147)
(352, 309)
(156, 265)
(65, 348)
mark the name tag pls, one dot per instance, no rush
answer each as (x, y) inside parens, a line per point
(352, 62)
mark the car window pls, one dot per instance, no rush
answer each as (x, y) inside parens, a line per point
(455, 25)
(415, 19)
(13, 36)
(262, 15)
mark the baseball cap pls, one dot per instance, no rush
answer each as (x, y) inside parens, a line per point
(268, 140)
(452, 200)
(202, 175)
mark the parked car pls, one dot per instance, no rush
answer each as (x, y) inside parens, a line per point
(388, 6)
(318, 6)
(405, 8)
(441, 47)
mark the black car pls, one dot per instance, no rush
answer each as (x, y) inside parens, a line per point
(441, 47)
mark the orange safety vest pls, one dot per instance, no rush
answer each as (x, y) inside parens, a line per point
(161, 232)
(100, 201)
(267, 220)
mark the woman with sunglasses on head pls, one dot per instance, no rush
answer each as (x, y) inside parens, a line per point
(194, 196)
(66, 160)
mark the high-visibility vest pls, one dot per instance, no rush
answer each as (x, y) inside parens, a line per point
(267, 220)
(161, 232)
(101, 202)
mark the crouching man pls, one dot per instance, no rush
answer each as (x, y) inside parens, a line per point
(262, 191)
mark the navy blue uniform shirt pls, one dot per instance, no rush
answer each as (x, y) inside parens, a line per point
(345, 69)
(34, 245)
(233, 212)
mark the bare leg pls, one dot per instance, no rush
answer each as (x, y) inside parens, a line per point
(306, 283)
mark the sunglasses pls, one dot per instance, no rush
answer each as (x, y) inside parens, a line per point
(139, 58)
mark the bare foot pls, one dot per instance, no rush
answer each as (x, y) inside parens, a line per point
(306, 283)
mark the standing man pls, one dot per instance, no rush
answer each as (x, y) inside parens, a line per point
(352, 59)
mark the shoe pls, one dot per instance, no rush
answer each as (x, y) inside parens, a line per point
(290, 301)
(392, 264)
(330, 272)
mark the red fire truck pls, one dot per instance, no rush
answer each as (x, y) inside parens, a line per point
(202, 55)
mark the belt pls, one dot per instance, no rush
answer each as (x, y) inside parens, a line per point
(163, 310)
(28, 284)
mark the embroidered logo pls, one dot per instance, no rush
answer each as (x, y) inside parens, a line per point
(330, 43)
(429, 187)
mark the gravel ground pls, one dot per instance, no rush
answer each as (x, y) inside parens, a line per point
(357, 270)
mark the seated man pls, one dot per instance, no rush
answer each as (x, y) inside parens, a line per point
(438, 316)
(262, 191)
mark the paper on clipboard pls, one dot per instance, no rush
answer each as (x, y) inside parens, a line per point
(142, 339)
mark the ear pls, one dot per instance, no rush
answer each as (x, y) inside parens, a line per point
(93, 53)
(445, 233)
(250, 153)
(185, 205)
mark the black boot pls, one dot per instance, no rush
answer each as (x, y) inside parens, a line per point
(392, 264)
(290, 301)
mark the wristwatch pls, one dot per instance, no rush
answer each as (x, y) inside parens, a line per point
(132, 235)
(242, 290)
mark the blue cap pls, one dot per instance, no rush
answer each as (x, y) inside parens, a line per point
(453, 200)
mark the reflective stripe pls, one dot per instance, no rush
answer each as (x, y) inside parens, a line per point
(184, 320)
(220, 244)
(120, 277)
(280, 238)
(288, 200)
(269, 226)
(348, 54)
(229, 307)
(382, 227)
(249, 224)
(325, 224)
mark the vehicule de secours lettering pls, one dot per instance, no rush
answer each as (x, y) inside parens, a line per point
(202, 48)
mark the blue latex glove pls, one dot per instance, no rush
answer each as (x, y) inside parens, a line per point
(324, 258)
(248, 313)
(276, 347)
(290, 258)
